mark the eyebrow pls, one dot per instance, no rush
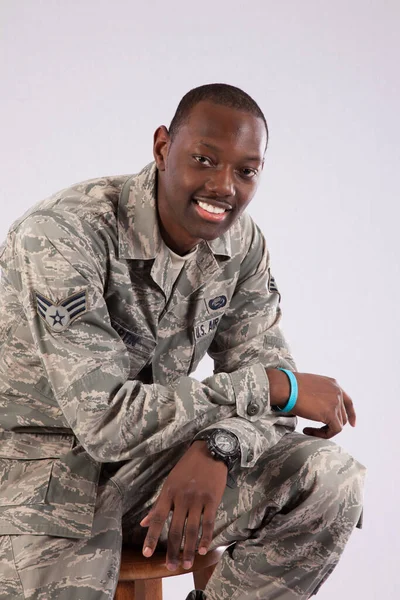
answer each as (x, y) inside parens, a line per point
(212, 147)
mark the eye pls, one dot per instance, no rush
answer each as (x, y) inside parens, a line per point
(203, 160)
(249, 173)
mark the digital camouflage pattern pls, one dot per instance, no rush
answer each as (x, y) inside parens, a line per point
(97, 343)
(290, 515)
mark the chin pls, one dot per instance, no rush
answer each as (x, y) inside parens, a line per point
(209, 234)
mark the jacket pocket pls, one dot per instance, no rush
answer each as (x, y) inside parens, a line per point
(24, 481)
(26, 464)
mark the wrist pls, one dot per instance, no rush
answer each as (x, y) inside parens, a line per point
(279, 387)
(201, 447)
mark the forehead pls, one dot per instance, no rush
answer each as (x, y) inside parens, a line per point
(225, 128)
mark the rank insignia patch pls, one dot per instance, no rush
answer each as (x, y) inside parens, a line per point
(59, 316)
(272, 287)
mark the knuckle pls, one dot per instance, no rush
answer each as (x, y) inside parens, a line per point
(188, 494)
(175, 534)
(208, 498)
(192, 531)
(151, 540)
(157, 519)
(169, 492)
(208, 525)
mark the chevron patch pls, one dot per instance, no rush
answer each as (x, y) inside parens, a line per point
(58, 316)
(272, 287)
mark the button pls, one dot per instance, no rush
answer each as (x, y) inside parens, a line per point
(250, 456)
(252, 409)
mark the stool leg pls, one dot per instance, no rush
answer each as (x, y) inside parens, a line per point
(201, 577)
(148, 589)
(125, 591)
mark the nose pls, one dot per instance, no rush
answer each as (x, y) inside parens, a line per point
(221, 183)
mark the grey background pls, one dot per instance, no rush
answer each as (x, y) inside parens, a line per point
(84, 86)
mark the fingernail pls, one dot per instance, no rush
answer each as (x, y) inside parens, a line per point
(202, 550)
(187, 564)
(147, 551)
(172, 566)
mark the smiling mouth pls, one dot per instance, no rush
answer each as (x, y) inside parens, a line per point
(213, 209)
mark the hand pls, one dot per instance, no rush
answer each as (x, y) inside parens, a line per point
(320, 398)
(193, 488)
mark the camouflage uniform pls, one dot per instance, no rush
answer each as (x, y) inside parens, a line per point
(97, 403)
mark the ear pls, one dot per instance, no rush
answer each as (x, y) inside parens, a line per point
(161, 143)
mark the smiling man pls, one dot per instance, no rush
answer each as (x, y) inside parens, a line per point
(111, 293)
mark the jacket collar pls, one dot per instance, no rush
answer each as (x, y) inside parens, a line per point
(138, 231)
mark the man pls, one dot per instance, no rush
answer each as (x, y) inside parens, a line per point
(111, 293)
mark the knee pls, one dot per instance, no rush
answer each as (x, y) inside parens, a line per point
(338, 479)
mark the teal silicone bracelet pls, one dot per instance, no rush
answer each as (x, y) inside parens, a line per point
(294, 391)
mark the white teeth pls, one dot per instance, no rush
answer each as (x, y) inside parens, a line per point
(210, 208)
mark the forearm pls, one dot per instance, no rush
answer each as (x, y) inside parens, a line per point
(116, 420)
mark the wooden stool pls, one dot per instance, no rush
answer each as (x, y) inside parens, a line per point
(140, 578)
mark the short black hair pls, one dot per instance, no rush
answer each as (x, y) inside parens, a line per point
(219, 93)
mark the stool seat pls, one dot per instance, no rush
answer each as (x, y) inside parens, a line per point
(140, 577)
(136, 566)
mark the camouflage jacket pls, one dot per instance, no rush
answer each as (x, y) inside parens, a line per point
(97, 344)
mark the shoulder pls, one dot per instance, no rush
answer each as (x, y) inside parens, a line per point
(92, 202)
(250, 236)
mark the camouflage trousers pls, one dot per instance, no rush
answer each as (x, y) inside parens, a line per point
(287, 519)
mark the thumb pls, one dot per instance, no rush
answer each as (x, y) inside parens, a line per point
(145, 522)
(321, 432)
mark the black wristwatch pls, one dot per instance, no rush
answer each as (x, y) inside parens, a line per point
(222, 445)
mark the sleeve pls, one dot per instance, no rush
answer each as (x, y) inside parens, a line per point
(249, 334)
(62, 265)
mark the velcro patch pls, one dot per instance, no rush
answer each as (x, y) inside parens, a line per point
(61, 314)
(217, 303)
(206, 328)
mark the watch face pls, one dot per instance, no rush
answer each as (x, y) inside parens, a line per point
(225, 442)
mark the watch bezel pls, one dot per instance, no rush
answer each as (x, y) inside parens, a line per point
(229, 458)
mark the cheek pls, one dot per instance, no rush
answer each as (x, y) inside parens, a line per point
(180, 183)
(246, 197)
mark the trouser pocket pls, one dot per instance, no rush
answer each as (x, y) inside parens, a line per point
(10, 584)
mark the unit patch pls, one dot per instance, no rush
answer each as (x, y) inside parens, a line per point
(218, 302)
(206, 328)
(58, 316)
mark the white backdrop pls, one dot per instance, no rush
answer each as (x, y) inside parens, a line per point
(85, 84)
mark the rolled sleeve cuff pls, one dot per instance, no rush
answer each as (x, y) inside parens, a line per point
(251, 387)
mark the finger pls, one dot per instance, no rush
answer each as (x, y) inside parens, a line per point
(191, 535)
(349, 406)
(338, 413)
(326, 432)
(156, 519)
(145, 522)
(344, 414)
(320, 432)
(207, 528)
(175, 535)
